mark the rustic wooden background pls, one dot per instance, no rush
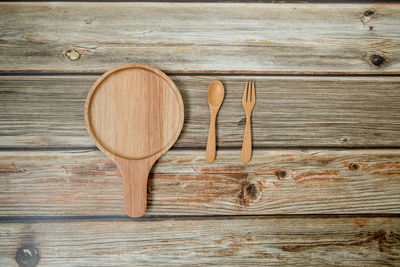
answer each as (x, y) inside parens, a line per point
(323, 187)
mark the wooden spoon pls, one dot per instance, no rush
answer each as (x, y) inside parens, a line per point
(216, 95)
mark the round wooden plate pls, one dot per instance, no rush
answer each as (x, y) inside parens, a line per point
(134, 114)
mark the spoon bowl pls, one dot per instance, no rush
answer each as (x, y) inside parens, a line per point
(216, 93)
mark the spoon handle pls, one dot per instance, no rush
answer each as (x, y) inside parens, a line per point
(210, 150)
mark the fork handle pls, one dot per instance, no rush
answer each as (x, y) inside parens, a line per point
(247, 146)
(210, 150)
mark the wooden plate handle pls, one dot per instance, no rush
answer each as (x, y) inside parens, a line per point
(135, 174)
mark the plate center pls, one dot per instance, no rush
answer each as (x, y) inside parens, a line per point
(135, 113)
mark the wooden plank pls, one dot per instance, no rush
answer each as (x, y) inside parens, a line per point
(256, 37)
(79, 183)
(289, 111)
(357, 241)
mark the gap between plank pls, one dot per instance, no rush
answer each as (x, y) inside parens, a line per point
(93, 148)
(33, 219)
(217, 1)
(212, 73)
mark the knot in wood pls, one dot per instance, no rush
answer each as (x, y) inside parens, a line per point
(27, 256)
(249, 192)
(377, 60)
(354, 166)
(281, 174)
(73, 54)
(345, 139)
(89, 20)
(242, 122)
(368, 13)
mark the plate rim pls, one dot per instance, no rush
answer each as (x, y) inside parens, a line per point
(92, 90)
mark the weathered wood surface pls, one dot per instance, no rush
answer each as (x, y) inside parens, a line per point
(257, 241)
(78, 182)
(87, 37)
(196, 43)
(290, 111)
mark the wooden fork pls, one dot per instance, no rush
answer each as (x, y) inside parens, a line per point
(248, 101)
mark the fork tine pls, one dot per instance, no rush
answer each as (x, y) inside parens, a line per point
(247, 91)
(253, 92)
(250, 91)
(244, 97)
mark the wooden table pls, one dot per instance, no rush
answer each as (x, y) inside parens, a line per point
(323, 187)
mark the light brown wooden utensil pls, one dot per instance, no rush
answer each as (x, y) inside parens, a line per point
(216, 93)
(248, 102)
(134, 114)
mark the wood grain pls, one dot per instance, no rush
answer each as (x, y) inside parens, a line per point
(229, 37)
(134, 113)
(80, 183)
(63, 199)
(256, 241)
(291, 111)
